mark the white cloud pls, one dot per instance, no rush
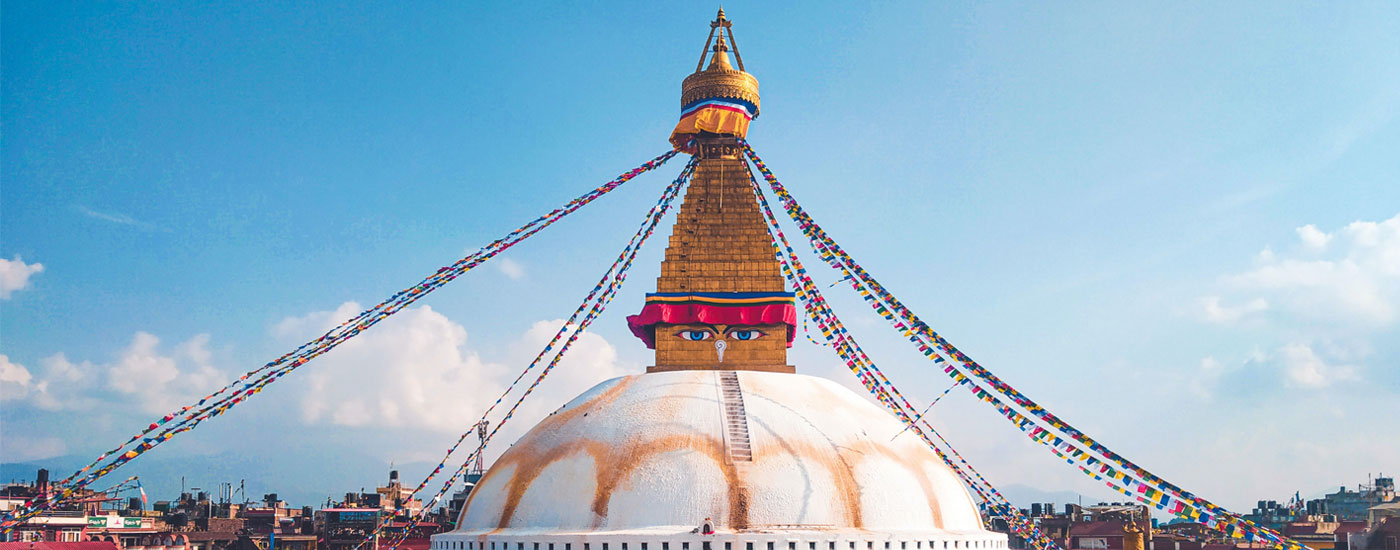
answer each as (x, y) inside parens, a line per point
(142, 376)
(1349, 278)
(63, 384)
(1203, 384)
(510, 268)
(14, 379)
(1295, 367)
(591, 359)
(14, 275)
(409, 370)
(1312, 238)
(417, 370)
(162, 383)
(1304, 369)
(1213, 311)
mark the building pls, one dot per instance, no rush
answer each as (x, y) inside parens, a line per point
(47, 545)
(344, 528)
(1379, 512)
(1323, 535)
(1104, 535)
(1341, 506)
(86, 516)
(1102, 526)
(1382, 536)
(721, 445)
(395, 496)
(1356, 505)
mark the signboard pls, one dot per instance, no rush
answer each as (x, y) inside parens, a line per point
(115, 522)
(367, 516)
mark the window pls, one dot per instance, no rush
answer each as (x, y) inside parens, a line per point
(685, 546)
(537, 546)
(770, 545)
(665, 546)
(519, 546)
(831, 545)
(903, 545)
(726, 546)
(748, 545)
(792, 545)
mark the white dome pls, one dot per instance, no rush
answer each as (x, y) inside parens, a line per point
(662, 451)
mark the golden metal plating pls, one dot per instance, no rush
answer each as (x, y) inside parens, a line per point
(720, 79)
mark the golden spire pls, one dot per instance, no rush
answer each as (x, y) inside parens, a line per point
(721, 301)
(720, 79)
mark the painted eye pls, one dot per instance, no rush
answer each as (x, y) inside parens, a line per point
(745, 334)
(695, 335)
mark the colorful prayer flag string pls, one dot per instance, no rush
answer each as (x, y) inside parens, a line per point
(595, 302)
(220, 401)
(875, 382)
(940, 350)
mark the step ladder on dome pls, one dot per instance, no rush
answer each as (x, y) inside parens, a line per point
(736, 421)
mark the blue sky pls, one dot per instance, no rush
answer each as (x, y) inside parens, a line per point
(1174, 225)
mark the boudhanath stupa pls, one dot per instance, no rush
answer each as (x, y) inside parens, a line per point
(721, 445)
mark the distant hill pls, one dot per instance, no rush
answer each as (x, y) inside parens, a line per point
(1023, 495)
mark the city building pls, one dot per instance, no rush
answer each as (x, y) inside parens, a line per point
(1382, 536)
(1341, 506)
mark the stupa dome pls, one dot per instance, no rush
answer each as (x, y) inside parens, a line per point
(661, 452)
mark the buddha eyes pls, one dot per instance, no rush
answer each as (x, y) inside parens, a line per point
(745, 334)
(735, 334)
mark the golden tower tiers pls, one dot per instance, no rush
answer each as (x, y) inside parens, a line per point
(719, 302)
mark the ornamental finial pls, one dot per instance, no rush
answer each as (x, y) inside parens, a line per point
(720, 81)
